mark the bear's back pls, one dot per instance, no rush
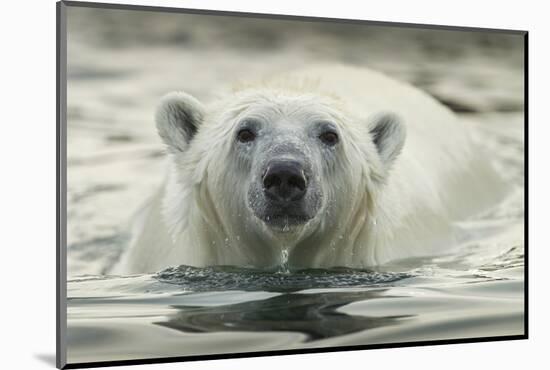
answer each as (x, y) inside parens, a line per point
(438, 145)
(441, 176)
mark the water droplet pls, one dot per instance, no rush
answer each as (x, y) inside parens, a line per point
(286, 227)
(284, 261)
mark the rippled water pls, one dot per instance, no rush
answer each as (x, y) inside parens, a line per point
(118, 69)
(189, 311)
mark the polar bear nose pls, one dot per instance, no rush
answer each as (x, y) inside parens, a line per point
(285, 181)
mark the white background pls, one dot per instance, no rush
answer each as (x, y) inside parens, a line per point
(27, 197)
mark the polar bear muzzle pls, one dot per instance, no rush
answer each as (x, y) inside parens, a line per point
(285, 193)
(285, 187)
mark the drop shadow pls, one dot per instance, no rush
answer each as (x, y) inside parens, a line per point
(47, 358)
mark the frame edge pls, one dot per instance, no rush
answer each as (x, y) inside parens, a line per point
(61, 196)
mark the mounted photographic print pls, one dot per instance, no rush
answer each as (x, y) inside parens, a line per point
(234, 184)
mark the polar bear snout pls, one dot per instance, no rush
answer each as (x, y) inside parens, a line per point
(285, 181)
(286, 194)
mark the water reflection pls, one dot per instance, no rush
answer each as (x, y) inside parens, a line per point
(314, 314)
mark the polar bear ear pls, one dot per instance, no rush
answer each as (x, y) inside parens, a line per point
(178, 117)
(388, 134)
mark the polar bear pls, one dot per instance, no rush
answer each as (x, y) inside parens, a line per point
(328, 166)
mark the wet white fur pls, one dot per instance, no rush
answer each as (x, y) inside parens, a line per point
(381, 204)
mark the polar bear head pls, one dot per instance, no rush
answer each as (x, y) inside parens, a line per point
(272, 166)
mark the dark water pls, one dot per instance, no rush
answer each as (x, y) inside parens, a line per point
(121, 63)
(234, 278)
(315, 315)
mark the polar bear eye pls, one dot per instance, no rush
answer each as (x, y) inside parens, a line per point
(245, 135)
(329, 138)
